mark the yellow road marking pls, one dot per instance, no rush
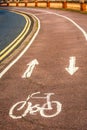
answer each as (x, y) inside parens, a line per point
(18, 39)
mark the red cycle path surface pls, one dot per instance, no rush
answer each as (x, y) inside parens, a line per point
(58, 39)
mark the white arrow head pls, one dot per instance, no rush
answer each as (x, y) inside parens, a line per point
(33, 62)
(72, 69)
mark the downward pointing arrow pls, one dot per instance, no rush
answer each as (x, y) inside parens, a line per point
(72, 69)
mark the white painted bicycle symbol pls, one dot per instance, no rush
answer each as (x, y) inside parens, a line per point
(26, 107)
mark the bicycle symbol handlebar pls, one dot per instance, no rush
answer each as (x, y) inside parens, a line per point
(26, 107)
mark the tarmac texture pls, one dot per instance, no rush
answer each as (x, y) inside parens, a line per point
(47, 88)
(11, 25)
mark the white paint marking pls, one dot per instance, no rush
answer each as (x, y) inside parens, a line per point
(27, 107)
(72, 69)
(44, 13)
(74, 23)
(30, 68)
(22, 53)
(80, 28)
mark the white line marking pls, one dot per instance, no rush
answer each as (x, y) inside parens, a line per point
(41, 13)
(80, 28)
(22, 53)
(29, 70)
(72, 69)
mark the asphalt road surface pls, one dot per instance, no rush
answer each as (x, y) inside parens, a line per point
(9, 27)
(47, 88)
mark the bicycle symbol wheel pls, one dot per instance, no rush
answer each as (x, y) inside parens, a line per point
(18, 110)
(46, 112)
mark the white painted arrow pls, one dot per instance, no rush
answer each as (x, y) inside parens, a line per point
(72, 69)
(30, 68)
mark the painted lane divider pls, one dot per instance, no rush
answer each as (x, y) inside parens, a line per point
(67, 18)
(25, 49)
(72, 69)
(30, 69)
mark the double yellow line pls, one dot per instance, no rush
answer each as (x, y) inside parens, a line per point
(5, 52)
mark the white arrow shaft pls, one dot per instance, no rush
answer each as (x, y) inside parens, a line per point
(30, 68)
(29, 71)
(72, 62)
(72, 69)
